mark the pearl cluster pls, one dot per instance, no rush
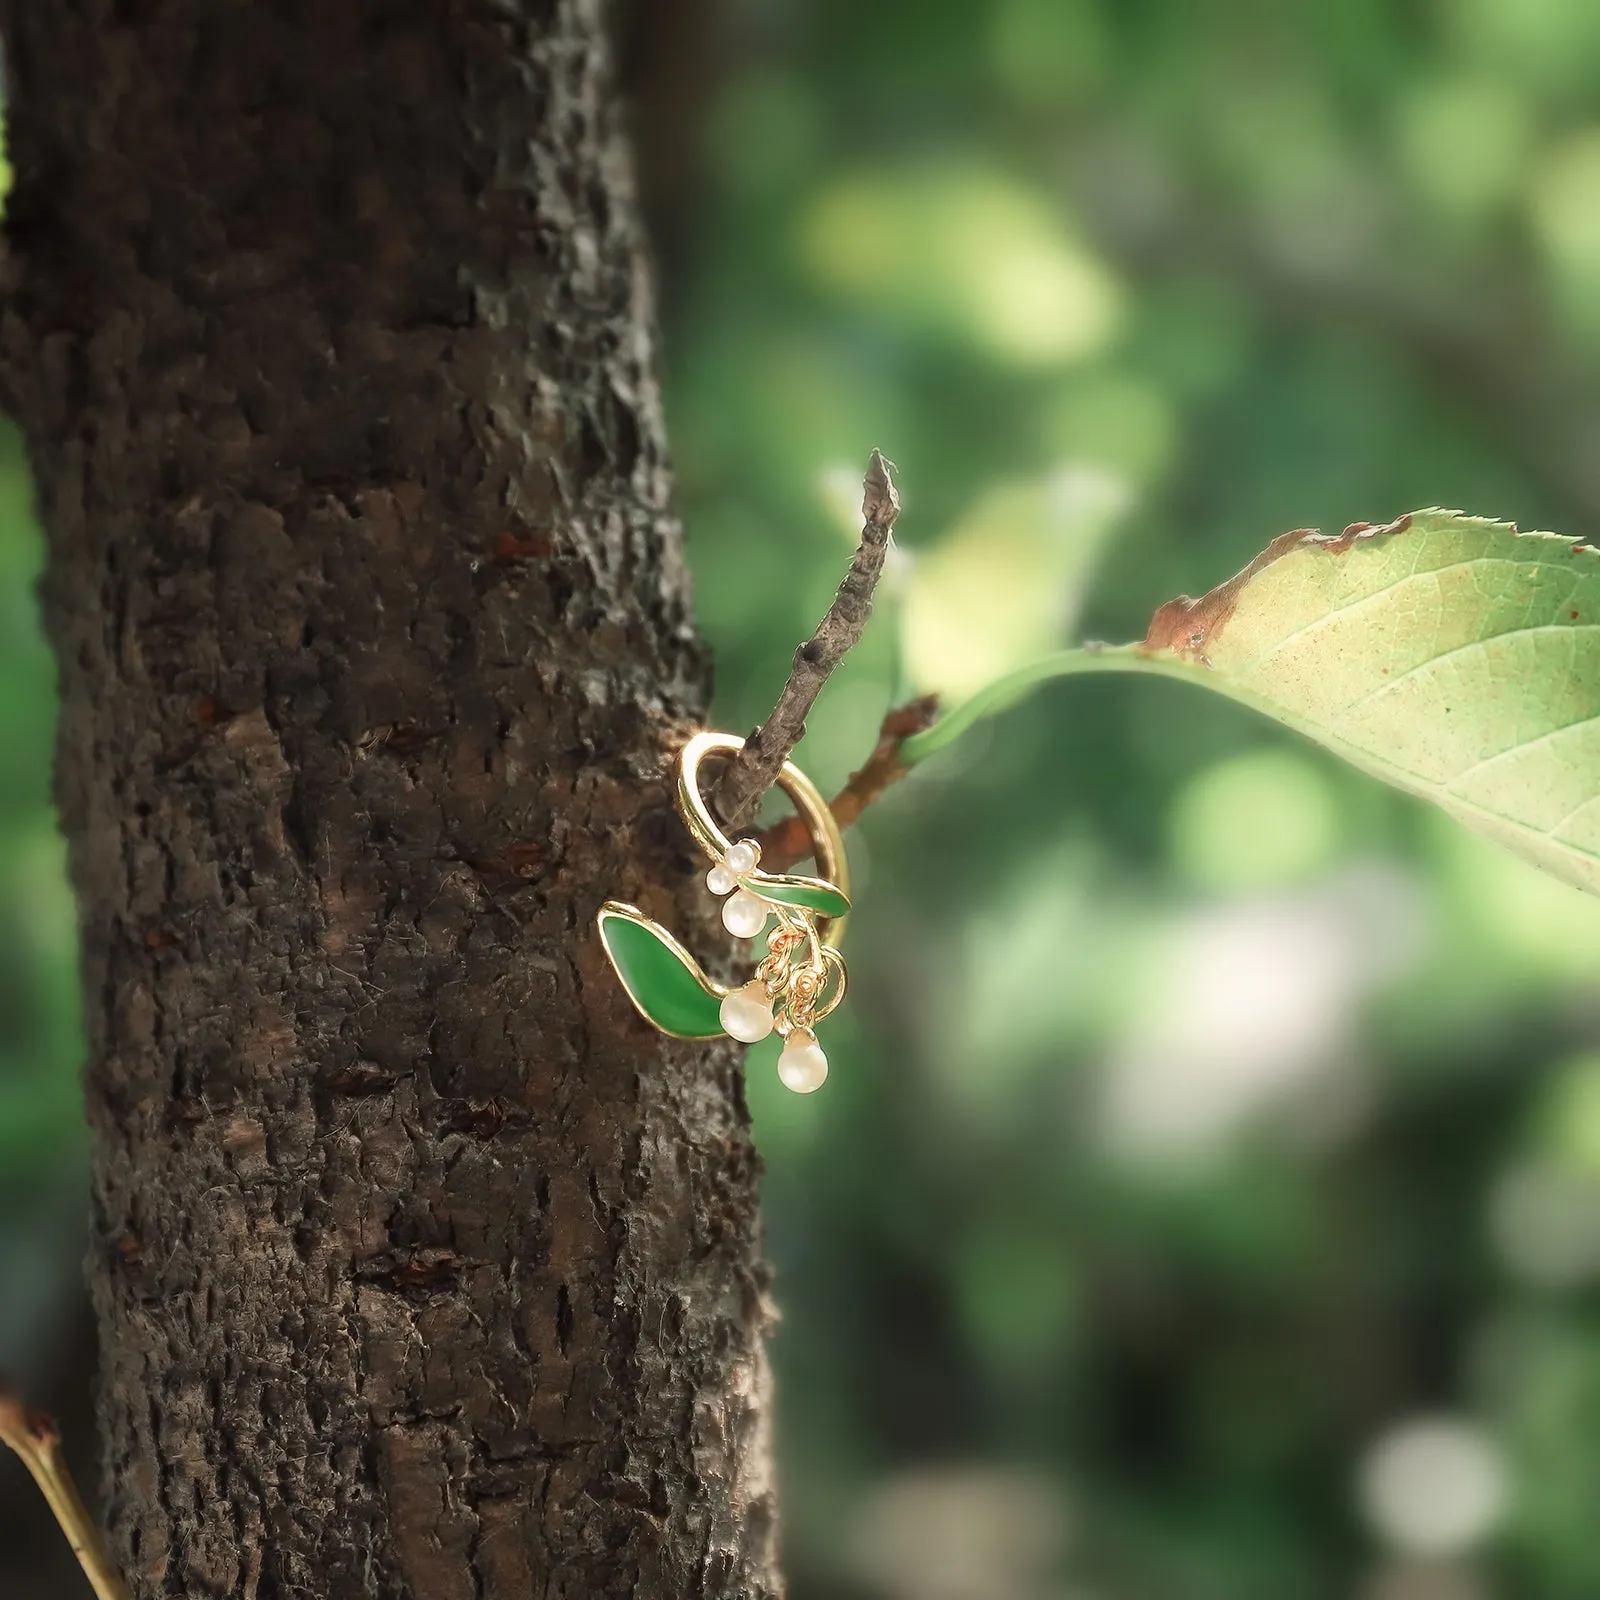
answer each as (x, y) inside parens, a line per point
(746, 1012)
(744, 915)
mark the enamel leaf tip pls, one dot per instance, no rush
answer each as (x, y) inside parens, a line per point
(666, 984)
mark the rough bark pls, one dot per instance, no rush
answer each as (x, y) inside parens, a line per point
(422, 1268)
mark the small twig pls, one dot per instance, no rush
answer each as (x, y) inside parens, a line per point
(755, 769)
(37, 1441)
(787, 842)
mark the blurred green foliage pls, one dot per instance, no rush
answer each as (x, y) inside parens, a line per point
(1205, 1118)
(40, 1018)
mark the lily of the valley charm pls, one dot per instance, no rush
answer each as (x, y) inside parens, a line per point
(800, 980)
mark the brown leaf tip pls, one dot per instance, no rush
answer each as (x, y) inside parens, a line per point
(1186, 626)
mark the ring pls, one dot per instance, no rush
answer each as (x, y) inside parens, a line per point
(802, 977)
(827, 843)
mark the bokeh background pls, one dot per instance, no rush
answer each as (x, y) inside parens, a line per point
(1205, 1203)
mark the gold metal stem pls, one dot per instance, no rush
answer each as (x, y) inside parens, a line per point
(37, 1441)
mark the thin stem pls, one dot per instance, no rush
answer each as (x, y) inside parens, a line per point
(1007, 691)
(37, 1441)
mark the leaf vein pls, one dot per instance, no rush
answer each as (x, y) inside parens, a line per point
(1325, 617)
(1519, 749)
(1462, 649)
(1553, 831)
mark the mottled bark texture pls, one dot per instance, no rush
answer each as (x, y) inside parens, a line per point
(423, 1269)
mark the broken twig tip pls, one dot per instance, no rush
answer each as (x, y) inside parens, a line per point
(22, 1428)
(880, 501)
(755, 768)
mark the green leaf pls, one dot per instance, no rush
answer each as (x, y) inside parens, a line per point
(807, 894)
(1449, 655)
(665, 982)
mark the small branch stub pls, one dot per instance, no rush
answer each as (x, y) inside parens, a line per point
(755, 769)
(37, 1442)
(787, 842)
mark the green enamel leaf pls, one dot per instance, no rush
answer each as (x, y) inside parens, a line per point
(662, 979)
(1449, 655)
(805, 894)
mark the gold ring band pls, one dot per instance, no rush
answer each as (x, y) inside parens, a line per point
(826, 841)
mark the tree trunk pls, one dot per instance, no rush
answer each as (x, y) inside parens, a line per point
(422, 1267)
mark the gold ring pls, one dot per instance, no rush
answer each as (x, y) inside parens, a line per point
(802, 978)
(827, 843)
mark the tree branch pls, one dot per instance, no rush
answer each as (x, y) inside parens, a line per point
(755, 768)
(787, 841)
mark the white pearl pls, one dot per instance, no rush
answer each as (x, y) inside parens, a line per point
(802, 1066)
(747, 1013)
(743, 915)
(719, 880)
(740, 859)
